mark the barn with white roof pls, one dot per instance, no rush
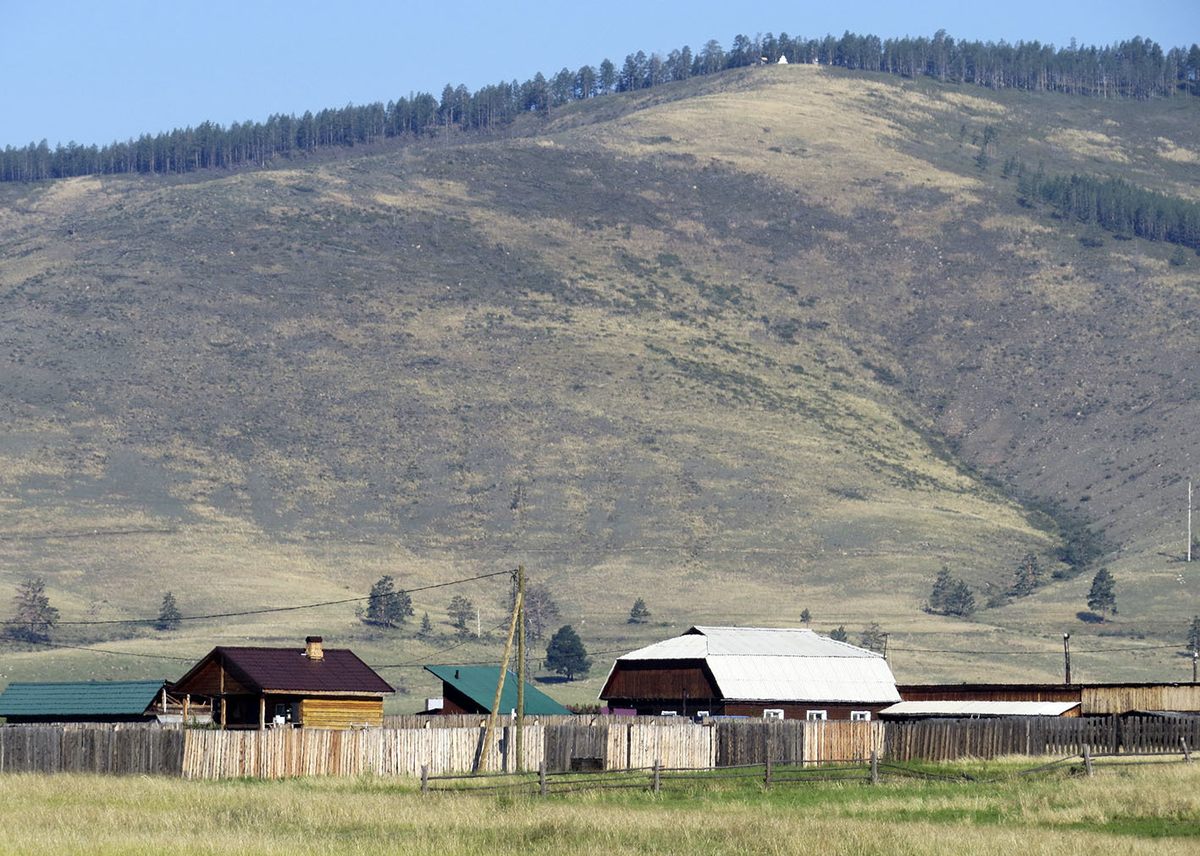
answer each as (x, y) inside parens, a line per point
(751, 671)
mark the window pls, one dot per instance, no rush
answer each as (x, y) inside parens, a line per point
(773, 713)
(816, 715)
(860, 716)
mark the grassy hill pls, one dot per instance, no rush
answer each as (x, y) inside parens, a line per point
(741, 346)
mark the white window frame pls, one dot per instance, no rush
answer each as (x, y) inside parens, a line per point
(860, 716)
(816, 715)
(773, 713)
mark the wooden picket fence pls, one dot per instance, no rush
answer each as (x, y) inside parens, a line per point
(581, 744)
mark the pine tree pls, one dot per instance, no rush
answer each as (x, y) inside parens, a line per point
(873, 637)
(639, 613)
(1102, 598)
(805, 616)
(426, 626)
(34, 616)
(839, 635)
(387, 607)
(169, 615)
(565, 654)
(1193, 634)
(960, 601)
(1027, 576)
(940, 593)
(460, 611)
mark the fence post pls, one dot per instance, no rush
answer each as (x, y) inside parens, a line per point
(874, 767)
(543, 788)
(1087, 758)
(424, 779)
(767, 775)
(657, 777)
(1187, 755)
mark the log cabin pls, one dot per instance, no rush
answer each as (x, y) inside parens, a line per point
(309, 687)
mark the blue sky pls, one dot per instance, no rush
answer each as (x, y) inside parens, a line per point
(98, 72)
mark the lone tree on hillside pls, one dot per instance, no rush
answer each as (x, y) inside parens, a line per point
(1101, 597)
(565, 655)
(839, 635)
(1027, 577)
(540, 610)
(34, 616)
(950, 596)
(387, 607)
(805, 616)
(460, 611)
(873, 637)
(639, 614)
(169, 615)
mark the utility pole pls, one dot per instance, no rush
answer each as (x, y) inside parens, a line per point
(491, 723)
(1067, 654)
(1189, 547)
(520, 668)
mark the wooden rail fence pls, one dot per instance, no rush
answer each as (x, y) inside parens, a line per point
(611, 744)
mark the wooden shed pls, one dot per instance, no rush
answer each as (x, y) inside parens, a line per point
(1092, 699)
(310, 687)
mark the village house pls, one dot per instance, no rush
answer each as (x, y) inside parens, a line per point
(309, 687)
(472, 689)
(88, 701)
(751, 671)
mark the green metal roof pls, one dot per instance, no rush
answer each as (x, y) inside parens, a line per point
(478, 683)
(80, 698)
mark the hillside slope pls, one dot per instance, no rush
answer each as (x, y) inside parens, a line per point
(694, 345)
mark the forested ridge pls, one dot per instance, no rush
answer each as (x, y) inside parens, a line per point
(1137, 68)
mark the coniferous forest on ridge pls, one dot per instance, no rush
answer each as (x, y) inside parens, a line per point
(1138, 68)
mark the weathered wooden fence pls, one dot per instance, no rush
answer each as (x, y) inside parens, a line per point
(580, 744)
(947, 740)
(114, 750)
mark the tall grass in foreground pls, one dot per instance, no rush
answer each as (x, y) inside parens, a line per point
(1154, 809)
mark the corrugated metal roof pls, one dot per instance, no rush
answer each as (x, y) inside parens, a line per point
(79, 698)
(979, 708)
(478, 683)
(780, 664)
(289, 670)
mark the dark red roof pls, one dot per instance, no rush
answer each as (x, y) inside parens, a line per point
(289, 670)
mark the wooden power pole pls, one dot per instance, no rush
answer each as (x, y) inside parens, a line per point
(1067, 654)
(491, 723)
(520, 668)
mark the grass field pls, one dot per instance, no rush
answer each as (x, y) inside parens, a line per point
(1134, 810)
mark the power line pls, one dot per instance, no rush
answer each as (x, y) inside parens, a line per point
(48, 644)
(262, 611)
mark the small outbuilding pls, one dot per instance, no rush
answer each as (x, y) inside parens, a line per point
(1092, 699)
(472, 689)
(84, 701)
(751, 671)
(977, 709)
(310, 687)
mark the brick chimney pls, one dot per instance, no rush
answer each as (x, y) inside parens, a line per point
(312, 648)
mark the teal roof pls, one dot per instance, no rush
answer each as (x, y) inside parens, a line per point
(478, 683)
(80, 698)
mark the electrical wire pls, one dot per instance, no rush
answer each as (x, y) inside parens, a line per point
(264, 610)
